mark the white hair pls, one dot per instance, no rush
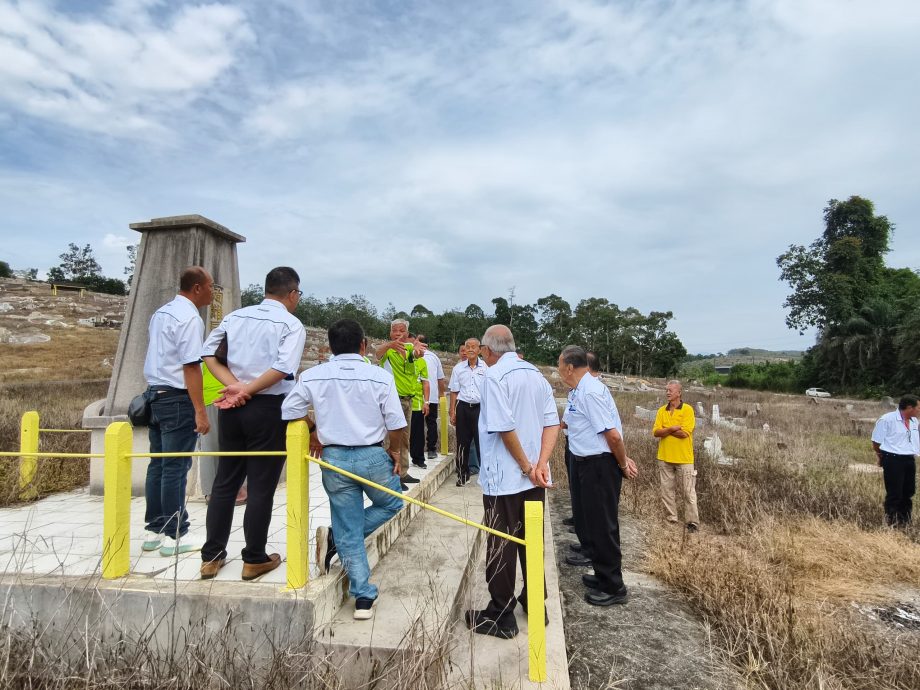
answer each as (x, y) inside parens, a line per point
(499, 339)
(675, 382)
(395, 322)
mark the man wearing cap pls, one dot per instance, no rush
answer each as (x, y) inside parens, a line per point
(264, 346)
(600, 462)
(356, 407)
(518, 426)
(177, 411)
(397, 357)
(465, 384)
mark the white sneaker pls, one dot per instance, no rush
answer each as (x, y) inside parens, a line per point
(152, 541)
(364, 609)
(185, 544)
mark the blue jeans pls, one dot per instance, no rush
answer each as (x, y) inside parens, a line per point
(172, 429)
(474, 458)
(351, 521)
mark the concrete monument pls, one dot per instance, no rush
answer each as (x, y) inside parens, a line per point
(167, 246)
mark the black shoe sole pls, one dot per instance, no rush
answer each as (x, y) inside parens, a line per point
(578, 562)
(620, 599)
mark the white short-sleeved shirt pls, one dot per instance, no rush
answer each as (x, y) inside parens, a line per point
(466, 381)
(515, 396)
(175, 335)
(354, 403)
(435, 374)
(261, 337)
(590, 411)
(893, 437)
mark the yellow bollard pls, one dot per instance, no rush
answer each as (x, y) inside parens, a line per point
(28, 443)
(298, 504)
(116, 525)
(442, 413)
(536, 623)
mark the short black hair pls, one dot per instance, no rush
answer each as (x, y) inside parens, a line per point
(908, 401)
(594, 364)
(192, 276)
(345, 337)
(575, 355)
(422, 338)
(281, 280)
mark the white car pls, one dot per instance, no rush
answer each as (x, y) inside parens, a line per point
(817, 393)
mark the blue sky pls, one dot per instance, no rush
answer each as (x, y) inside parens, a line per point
(658, 154)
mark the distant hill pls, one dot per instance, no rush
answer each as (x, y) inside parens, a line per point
(745, 355)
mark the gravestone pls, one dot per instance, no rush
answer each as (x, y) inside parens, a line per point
(167, 247)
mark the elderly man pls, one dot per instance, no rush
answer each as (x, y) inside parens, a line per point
(397, 357)
(465, 385)
(674, 424)
(437, 387)
(518, 426)
(600, 462)
(173, 372)
(896, 444)
(264, 345)
(356, 407)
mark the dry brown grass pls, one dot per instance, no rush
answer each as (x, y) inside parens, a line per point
(76, 353)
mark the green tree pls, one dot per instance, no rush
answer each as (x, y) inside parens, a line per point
(5, 270)
(79, 263)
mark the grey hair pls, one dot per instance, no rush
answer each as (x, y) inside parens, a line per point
(675, 382)
(575, 355)
(499, 339)
(398, 321)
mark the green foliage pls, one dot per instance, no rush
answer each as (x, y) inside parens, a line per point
(79, 263)
(866, 312)
(784, 377)
(5, 270)
(111, 286)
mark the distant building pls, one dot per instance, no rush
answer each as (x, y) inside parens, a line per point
(724, 369)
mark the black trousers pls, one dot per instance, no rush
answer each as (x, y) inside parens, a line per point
(900, 474)
(506, 514)
(578, 514)
(256, 426)
(431, 428)
(417, 437)
(599, 480)
(467, 435)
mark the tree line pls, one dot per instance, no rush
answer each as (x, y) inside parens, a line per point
(626, 340)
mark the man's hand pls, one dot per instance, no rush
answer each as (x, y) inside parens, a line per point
(680, 433)
(202, 425)
(674, 429)
(631, 471)
(316, 448)
(425, 409)
(394, 456)
(453, 417)
(234, 395)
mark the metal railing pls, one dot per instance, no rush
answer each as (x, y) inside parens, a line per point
(116, 558)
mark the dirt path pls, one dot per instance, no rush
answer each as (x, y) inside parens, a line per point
(654, 641)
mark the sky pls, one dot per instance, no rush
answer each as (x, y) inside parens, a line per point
(658, 154)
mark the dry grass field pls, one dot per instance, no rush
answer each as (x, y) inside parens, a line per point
(792, 570)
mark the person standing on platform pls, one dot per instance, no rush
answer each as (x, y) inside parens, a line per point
(420, 408)
(397, 357)
(896, 444)
(600, 463)
(518, 426)
(265, 344)
(177, 412)
(437, 383)
(674, 425)
(465, 384)
(356, 406)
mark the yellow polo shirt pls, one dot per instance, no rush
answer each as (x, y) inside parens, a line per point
(670, 448)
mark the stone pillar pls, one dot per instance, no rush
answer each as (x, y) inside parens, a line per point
(167, 246)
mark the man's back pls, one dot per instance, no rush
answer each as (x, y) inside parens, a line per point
(175, 333)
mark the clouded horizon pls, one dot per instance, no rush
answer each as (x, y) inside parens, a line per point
(658, 154)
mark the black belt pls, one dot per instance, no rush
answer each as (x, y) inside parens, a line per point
(468, 404)
(167, 391)
(599, 456)
(898, 455)
(379, 444)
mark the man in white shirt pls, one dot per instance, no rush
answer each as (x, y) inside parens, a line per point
(518, 426)
(356, 407)
(437, 387)
(177, 411)
(465, 396)
(264, 345)
(896, 444)
(599, 463)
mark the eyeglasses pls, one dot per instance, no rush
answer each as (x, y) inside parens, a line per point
(299, 292)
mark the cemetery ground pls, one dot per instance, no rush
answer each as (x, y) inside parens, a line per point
(792, 581)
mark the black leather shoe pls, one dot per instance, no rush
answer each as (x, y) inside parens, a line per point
(569, 522)
(591, 581)
(408, 479)
(596, 598)
(420, 465)
(577, 559)
(479, 622)
(523, 602)
(575, 547)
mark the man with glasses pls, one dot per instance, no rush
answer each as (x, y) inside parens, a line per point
(264, 346)
(896, 444)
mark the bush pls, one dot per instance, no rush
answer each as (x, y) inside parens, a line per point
(5, 270)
